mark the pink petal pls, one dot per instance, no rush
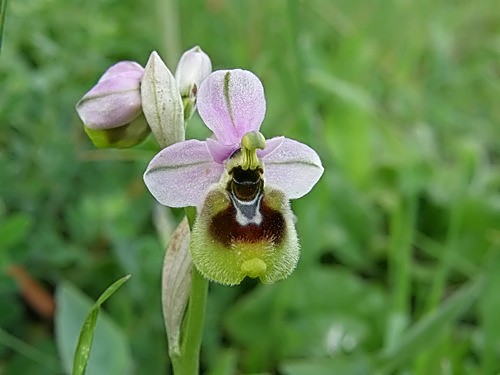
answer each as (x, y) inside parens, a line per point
(231, 103)
(179, 175)
(271, 145)
(128, 68)
(115, 100)
(110, 104)
(293, 168)
(219, 151)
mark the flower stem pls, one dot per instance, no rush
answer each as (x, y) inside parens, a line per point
(169, 24)
(189, 360)
(193, 332)
(3, 10)
(400, 261)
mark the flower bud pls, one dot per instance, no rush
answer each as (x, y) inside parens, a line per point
(111, 110)
(161, 102)
(115, 100)
(192, 68)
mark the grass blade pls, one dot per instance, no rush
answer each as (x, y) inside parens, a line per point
(428, 327)
(3, 10)
(82, 351)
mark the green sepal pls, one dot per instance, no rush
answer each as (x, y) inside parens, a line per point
(189, 104)
(121, 137)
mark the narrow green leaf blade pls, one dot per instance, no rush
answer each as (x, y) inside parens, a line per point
(112, 351)
(82, 351)
(3, 10)
(110, 348)
(430, 326)
(111, 290)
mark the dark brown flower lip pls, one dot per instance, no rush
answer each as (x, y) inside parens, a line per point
(225, 228)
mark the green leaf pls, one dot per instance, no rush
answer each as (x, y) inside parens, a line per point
(3, 10)
(226, 363)
(111, 290)
(111, 351)
(317, 313)
(428, 328)
(345, 90)
(14, 229)
(488, 308)
(176, 284)
(342, 364)
(82, 351)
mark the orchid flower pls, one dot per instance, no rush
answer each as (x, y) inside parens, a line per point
(239, 182)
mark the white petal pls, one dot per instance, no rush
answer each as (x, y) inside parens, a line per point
(194, 65)
(179, 175)
(293, 168)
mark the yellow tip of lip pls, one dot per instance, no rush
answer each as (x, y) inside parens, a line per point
(254, 267)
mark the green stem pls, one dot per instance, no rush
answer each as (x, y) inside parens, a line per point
(170, 34)
(34, 354)
(193, 331)
(303, 94)
(188, 362)
(400, 254)
(3, 10)
(438, 285)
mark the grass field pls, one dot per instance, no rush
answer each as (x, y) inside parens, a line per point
(400, 264)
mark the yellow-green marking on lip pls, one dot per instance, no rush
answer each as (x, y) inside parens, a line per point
(254, 267)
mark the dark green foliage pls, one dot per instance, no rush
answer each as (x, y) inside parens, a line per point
(400, 238)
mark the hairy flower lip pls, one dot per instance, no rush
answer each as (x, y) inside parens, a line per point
(226, 251)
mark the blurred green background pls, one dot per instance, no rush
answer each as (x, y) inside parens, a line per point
(400, 264)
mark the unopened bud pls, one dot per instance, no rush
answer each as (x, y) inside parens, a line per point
(193, 67)
(162, 103)
(111, 110)
(115, 100)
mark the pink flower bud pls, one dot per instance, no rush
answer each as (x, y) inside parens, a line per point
(115, 100)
